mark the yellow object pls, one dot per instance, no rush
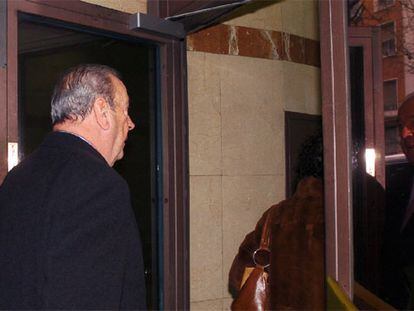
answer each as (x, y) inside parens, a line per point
(369, 300)
(336, 297)
(246, 274)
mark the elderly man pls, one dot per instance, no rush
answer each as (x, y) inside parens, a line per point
(68, 236)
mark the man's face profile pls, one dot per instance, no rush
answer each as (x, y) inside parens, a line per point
(406, 121)
(122, 123)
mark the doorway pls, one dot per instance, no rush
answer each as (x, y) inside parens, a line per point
(45, 50)
(367, 159)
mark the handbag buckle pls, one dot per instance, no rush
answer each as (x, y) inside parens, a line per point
(261, 257)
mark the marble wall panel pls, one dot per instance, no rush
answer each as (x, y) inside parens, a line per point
(252, 116)
(256, 15)
(294, 48)
(206, 250)
(245, 199)
(301, 88)
(211, 40)
(207, 305)
(257, 43)
(260, 43)
(313, 90)
(227, 303)
(129, 6)
(204, 113)
(311, 20)
(300, 17)
(312, 53)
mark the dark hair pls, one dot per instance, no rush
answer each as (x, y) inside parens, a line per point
(77, 89)
(310, 159)
(408, 98)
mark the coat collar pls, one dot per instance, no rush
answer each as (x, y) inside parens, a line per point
(71, 142)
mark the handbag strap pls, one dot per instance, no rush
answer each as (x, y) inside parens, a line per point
(263, 252)
(265, 238)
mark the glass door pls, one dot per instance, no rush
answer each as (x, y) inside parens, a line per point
(368, 169)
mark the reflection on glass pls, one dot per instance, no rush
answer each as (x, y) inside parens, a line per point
(370, 157)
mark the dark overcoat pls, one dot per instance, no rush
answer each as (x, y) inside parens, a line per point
(68, 236)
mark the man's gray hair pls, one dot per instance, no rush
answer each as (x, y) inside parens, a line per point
(78, 88)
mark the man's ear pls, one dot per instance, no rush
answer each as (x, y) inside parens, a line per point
(100, 109)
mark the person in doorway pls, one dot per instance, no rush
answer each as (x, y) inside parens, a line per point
(68, 236)
(296, 272)
(398, 257)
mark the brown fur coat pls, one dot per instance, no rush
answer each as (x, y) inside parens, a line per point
(296, 272)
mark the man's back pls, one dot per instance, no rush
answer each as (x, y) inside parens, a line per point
(68, 237)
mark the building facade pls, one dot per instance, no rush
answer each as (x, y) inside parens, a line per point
(395, 19)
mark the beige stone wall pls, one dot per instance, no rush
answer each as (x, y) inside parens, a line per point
(237, 163)
(297, 17)
(129, 6)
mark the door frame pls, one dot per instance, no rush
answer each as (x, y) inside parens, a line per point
(174, 128)
(336, 126)
(333, 22)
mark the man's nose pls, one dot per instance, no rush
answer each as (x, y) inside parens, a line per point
(131, 124)
(406, 131)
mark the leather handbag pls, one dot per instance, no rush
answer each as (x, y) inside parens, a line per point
(254, 291)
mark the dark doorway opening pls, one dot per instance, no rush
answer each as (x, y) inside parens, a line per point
(46, 50)
(368, 195)
(298, 128)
